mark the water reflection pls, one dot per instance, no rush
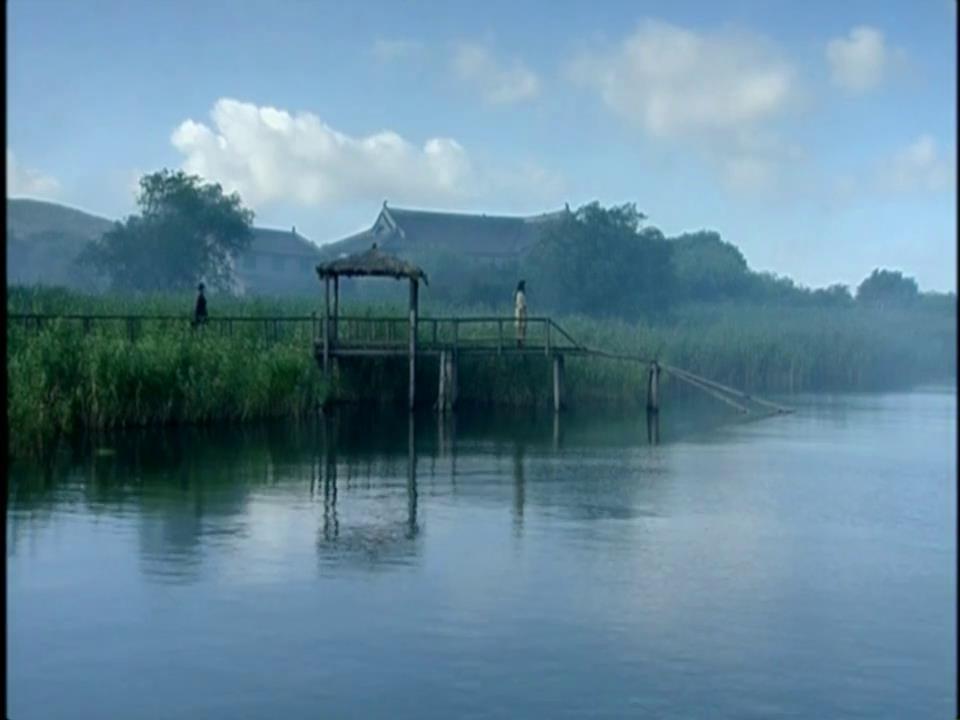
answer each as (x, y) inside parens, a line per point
(653, 427)
(519, 490)
(367, 532)
(519, 563)
(354, 476)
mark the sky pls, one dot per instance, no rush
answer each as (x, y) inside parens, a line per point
(818, 137)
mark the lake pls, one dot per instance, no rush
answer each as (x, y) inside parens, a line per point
(502, 565)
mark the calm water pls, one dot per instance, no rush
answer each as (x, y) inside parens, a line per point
(797, 567)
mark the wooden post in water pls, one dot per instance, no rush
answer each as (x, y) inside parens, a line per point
(442, 381)
(411, 478)
(653, 388)
(558, 382)
(453, 389)
(653, 427)
(414, 302)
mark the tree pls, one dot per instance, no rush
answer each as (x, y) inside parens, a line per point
(186, 231)
(599, 261)
(836, 295)
(887, 288)
(708, 268)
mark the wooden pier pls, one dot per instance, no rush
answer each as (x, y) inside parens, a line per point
(446, 339)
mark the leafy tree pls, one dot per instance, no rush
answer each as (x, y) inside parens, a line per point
(186, 231)
(837, 295)
(707, 268)
(887, 288)
(599, 261)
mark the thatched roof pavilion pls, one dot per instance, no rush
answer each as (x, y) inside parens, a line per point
(373, 262)
(370, 263)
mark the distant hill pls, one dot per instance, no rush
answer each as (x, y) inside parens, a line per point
(45, 238)
(30, 217)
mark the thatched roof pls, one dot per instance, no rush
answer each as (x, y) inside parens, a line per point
(372, 262)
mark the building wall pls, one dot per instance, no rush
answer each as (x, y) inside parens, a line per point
(277, 274)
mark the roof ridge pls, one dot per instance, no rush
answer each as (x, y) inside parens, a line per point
(394, 209)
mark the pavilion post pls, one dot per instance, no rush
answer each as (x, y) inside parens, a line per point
(414, 302)
(326, 326)
(336, 307)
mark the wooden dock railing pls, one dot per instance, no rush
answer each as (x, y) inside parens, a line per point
(270, 327)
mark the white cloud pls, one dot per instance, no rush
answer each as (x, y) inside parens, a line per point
(857, 62)
(499, 83)
(715, 92)
(920, 166)
(390, 50)
(27, 181)
(270, 155)
(674, 82)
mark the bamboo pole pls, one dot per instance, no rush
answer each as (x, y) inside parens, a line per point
(727, 389)
(712, 392)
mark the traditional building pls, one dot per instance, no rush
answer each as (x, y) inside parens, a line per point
(406, 233)
(278, 262)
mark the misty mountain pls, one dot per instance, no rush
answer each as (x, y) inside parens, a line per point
(44, 239)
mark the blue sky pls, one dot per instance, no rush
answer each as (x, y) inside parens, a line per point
(820, 138)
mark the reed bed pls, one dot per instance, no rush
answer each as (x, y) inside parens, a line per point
(61, 380)
(64, 377)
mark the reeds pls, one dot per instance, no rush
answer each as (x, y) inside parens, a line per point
(64, 377)
(62, 380)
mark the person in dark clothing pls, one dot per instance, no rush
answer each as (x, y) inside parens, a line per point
(200, 311)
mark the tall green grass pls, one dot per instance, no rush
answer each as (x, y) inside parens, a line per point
(62, 379)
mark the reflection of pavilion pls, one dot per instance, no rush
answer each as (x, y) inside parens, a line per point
(373, 539)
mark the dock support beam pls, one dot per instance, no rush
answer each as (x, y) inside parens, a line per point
(558, 372)
(453, 381)
(447, 381)
(442, 382)
(653, 388)
(653, 427)
(336, 307)
(414, 302)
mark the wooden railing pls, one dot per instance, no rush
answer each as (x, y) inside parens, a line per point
(373, 332)
(272, 328)
(457, 332)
